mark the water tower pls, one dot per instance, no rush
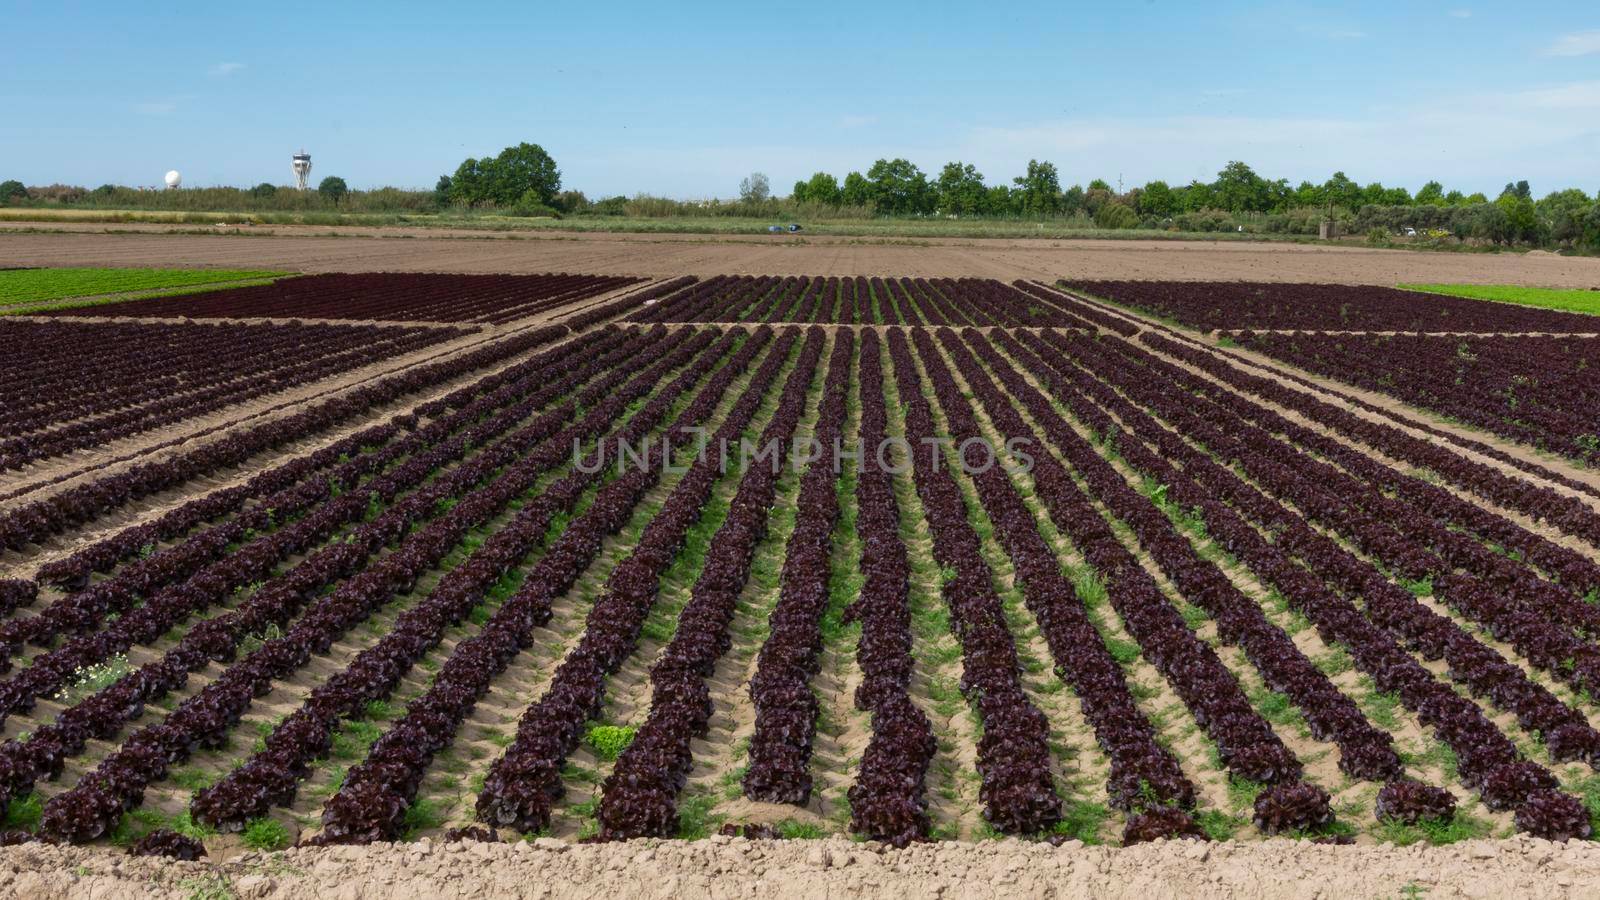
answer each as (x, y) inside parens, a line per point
(302, 168)
(174, 180)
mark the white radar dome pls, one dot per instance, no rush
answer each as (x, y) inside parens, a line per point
(174, 179)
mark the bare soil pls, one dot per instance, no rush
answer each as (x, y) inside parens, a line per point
(351, 248)
(725, 867)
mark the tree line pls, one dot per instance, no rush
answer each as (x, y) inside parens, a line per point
(524, 180)
(1238, 198)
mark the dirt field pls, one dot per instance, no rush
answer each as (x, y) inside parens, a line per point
(348, 249)
(722, 867)
(961, 865)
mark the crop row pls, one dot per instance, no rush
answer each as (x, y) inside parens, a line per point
(1365, 752)
(154, 567)
(860, 300)
(639, 798)
(1363, 482)
(250, 535)
(785, 707)
(1508, 603)
(1540, 503)
(526, 779)
(649, 296)
(372, 802)
(1523, 462)
(380, 296)
(888, 802)
(270, 776)
(1229, 306)
(1487, 759)
(439, 513)
(460, 499)
(1538, 390)
(80, 386)
(1245, 743)
(1017, 787)
(38, 520)
(234, 553)
(418, 458)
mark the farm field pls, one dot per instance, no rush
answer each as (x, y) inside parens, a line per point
(1584, 301)
(379, 297)
(366, 249)
(502, 587)
(30, 286)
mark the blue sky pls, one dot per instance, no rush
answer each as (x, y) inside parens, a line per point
(684, 99)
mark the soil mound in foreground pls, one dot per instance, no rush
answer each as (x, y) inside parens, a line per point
(726, 867)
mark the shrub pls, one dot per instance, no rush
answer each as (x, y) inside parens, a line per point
(1115, 215)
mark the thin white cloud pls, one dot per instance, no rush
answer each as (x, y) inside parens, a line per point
(156, 107)
(1455, 139)
(223, 70)
(1578, 43)
(1332, 33)
(1460, 13)
(1578, 95)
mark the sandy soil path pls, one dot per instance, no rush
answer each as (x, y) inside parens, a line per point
(335, 249)
(723, 867)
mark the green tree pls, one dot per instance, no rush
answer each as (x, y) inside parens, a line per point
(106, 190)
(524, 175)
(1279, 196)
(1561, 215)
(961, 191)
(1071, 200)
(441, 190)
(898, 186)
(1240, 189)
(1341, 191)
(1455, 198)
(822, 188)
(1431, 194)
(1039, 189)
(1308, 194)
(1397, 196)
(1156, 200)
(467, 184)
(333, 188)
(264, 190)
(1373, 193)
(521, 169)
(857, 191)
(1198, 195)
(1520, 190)
(1522, 220)
(754, 188)
(1591, 228)
(12, 189)
(998, 201)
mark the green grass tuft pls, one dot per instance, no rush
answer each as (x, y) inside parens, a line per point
(266, 834)
(608, 741)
